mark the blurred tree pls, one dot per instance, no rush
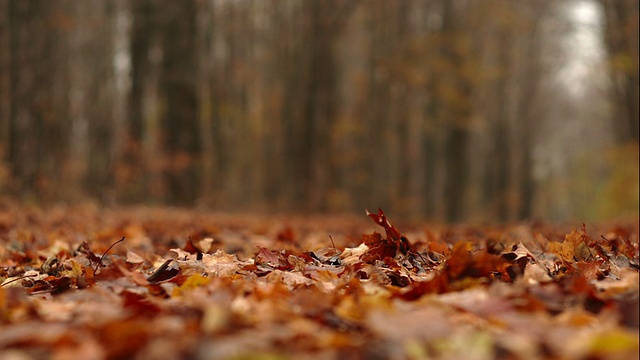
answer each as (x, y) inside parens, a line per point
(205, 102)
(121, 24)
(456, 88)
(179, 142)
(5, 83)
(34, 144)
(621, 40)
(513, 75)
(429, 108)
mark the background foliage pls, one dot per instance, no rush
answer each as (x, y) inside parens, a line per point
(443, 109)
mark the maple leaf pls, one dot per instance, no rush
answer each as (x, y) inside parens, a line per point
(573, 247)
(381, 248)
(221, 264)
(272, 259)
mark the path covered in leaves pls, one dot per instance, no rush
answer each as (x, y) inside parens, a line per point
(187, 284)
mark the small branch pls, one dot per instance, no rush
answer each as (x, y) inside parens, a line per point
(105, 253)
(334, 245)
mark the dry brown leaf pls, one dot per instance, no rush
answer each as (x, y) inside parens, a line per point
(277, 286)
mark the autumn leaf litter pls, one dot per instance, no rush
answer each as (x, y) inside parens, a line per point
(188, 287)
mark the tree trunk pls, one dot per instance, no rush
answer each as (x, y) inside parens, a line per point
(5, 90)
(621, 40)
(456, 114)
(178, 91)
(204, 41)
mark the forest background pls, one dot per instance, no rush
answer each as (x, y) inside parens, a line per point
(448, 110)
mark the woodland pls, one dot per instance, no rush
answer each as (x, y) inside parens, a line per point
(451, 110)
(319, 179)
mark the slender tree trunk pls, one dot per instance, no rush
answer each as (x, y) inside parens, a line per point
(457, 116)
(146, 159)
(5, 90)
(79, 91)
(205, 100)
(621, 40)
(122, 72)
(178, 91)
(23, 143)
(152, 152)
(497, 163)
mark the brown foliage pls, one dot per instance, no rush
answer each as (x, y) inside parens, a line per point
(175, 289)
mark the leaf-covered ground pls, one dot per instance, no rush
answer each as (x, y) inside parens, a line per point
(188, 284)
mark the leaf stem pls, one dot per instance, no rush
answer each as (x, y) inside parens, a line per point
(105, 253)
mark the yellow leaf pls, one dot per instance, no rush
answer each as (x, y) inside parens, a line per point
(572, 248)
(614, 341)
(192, 282)
(558, 249)
(73, 269)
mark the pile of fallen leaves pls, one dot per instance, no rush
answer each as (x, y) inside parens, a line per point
(86, 283)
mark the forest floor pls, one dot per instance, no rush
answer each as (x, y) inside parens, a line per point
(200, 285)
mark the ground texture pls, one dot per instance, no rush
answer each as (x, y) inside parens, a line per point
(201, 285)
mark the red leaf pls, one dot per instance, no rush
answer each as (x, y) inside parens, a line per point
(467, 262)
(381, 219)
(267, 256)
(51, 284)
(379, 248)
(272, 259)
(93, 258)
(390, 246)
(190, 247)
(438, 285)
